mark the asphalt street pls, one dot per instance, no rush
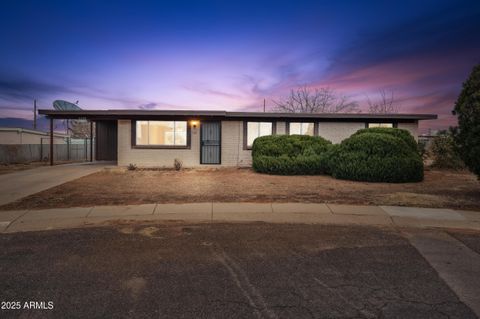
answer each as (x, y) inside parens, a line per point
(251, 270)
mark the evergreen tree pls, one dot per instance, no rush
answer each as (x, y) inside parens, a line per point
(467, 108)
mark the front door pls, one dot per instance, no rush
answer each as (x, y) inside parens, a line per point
(210, 143)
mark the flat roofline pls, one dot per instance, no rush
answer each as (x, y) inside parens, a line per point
(135, 114)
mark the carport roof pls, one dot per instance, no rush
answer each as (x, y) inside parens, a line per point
(205, 114)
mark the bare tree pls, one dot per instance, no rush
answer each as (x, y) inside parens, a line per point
(78, 128)
(322, 100)
(384, 104)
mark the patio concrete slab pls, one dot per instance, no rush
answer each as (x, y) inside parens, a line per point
(357, 220)
(3, 226)
(308, 218)
(456, 264)
(300, 208)
(45, 224)
(470, 215)
(128, 210)
(187, 217)
(10, 215)
(199, 208)
(56, 213)
(242, 208)
(434, 223)
(14, 186)
(200, 216)
(427, 213)
(356, 210)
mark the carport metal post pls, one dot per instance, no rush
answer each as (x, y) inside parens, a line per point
(51, 141)
(91, 141)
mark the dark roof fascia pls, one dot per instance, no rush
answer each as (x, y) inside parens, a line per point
(164, 114)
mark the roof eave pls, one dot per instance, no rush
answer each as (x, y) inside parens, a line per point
(139, 114)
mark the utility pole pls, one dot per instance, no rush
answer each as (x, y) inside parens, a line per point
(263, 105)
(35, 114)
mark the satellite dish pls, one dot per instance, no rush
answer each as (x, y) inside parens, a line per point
(62, 105)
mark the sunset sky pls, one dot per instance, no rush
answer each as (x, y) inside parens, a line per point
(225, 55)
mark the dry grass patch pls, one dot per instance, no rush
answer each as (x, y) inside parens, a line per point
(121, 187)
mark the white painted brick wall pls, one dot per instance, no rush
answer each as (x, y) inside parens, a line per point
(155, 157)
(411, 127)
(336, 132)
(233, 153)
(281, 128)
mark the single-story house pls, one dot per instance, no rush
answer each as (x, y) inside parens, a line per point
(154, 138)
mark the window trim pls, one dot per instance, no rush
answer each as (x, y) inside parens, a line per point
(178, 147)
(245, 131)
(315, 127)
(394, 124)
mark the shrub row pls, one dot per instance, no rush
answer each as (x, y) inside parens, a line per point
(373, 155)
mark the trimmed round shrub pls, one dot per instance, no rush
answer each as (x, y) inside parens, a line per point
(290, 145)
(376, 157)
(400, 133)
(290, 155)
(285, 165)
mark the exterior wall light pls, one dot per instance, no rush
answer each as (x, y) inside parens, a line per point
(194, 123)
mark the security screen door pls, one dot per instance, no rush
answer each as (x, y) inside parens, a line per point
(210, 143)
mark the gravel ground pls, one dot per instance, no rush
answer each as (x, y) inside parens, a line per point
(222, 271)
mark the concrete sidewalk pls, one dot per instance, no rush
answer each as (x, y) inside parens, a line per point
(310, 213)
(16, 185)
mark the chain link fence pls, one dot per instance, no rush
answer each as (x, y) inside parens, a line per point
(72, 149)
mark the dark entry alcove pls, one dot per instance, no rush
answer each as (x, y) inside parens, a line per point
(106, 140)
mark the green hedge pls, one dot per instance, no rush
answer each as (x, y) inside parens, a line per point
(290, 145)
(377, 157)
(285, 165)
(400, 133)
(290, 154)
(372, 155)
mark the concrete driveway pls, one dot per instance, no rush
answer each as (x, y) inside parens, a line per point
(16, 185)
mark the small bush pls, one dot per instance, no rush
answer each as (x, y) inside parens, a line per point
(131, 167)
(377, 157)
(177, 164)
(444, 153)
(422, 148)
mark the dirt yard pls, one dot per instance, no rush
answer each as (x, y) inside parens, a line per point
(459, 190)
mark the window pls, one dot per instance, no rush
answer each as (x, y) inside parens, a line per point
(257, 129)
(369, 125)
(161, 133)
(301, 128)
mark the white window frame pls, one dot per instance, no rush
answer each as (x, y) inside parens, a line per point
(148, 145)
(245, 135)
(301, 128)
(382, 124)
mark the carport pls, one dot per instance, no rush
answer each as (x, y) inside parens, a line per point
(103, 128)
